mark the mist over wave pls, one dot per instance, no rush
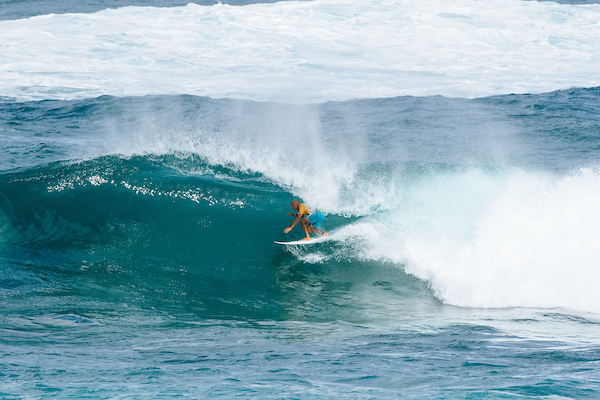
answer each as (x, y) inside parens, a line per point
(304, 51)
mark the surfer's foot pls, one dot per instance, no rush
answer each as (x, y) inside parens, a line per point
(325, 234)
(306, 239)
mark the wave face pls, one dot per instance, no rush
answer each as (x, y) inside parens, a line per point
(146, 233)
(176, 200)
(304, 51)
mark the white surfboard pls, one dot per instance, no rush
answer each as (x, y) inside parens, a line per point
(319, 239)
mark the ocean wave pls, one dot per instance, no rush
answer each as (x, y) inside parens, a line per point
(469, 196)
(479, 237)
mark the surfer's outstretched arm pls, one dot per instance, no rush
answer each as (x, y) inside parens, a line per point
(298, 218)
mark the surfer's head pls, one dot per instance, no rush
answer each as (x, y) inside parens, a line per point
(295, 205)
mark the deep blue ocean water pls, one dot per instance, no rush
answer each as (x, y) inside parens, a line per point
(136, 230)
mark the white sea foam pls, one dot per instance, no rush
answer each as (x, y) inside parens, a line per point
(515, 239)
(305, 51)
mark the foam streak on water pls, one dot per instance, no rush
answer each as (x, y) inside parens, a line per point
(305, 51)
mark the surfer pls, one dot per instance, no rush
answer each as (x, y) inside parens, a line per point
(309, 220)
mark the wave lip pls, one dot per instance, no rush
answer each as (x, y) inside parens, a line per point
(304, 51)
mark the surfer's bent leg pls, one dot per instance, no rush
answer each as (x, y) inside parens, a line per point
(312, 229)
(315, 220)
(306, 226)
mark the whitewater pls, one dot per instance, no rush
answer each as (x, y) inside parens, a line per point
(305, 51)
(149, 156)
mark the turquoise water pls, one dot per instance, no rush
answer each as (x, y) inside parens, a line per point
(156, 275)
(139, 203)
